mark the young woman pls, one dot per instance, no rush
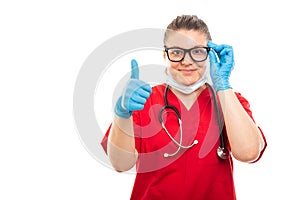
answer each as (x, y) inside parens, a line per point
(182, 135)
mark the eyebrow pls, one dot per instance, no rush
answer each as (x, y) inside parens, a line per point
(200, 46)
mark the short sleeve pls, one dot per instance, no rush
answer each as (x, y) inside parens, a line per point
(105, 139)
(244, 102)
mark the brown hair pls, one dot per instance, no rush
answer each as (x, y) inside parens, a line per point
(188, 22)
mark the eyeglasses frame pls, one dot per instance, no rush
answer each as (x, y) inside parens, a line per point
(185, 51)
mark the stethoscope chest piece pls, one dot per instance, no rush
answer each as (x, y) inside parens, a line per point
(223, 153)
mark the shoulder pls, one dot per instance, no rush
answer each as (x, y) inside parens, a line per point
(158, 91)
(245, 103)
(159, 88)
(242, 99)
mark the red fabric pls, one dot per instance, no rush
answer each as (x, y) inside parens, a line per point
(194, 173)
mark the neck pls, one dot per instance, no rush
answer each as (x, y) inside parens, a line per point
(188, 99)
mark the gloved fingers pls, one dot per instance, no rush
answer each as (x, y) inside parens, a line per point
(212, 45)
(137, 86)
(136, 92)
(146, 87)
(135, 106)
(220, 49)
(226, 56)
(132, 102)
(142, 85)
(134, 84)
(212, 57)
(138, 99)
(134, 95)
(143, 92)
(224, 52)
(215, 47)
(135, 101)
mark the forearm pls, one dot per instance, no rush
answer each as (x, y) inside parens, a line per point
(121, 145)
(244, 136)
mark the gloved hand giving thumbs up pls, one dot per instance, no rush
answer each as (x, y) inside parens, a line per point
(134, 95)
(220, 69)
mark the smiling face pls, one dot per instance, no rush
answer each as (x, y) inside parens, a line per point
(187, 71)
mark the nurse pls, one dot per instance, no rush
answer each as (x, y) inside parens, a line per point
(136, 136)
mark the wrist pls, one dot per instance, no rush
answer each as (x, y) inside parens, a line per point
(124, 124)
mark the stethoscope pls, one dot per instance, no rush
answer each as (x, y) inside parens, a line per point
(222, 151)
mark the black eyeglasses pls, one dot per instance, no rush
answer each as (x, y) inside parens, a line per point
(177, 54)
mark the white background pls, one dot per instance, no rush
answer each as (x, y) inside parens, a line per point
(43, 45)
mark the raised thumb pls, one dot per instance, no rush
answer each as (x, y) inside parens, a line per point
(134, 69)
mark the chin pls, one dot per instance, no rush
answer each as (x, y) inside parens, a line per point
(189, 81)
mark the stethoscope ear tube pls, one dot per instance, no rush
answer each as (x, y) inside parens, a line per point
(222, 151)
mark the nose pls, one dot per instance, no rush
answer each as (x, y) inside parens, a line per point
(187, 59)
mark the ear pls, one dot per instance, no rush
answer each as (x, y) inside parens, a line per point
(164, 55)
(166, 71)
(167, 62)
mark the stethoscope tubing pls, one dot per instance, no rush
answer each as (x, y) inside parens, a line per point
(220, 124)
(222, 151)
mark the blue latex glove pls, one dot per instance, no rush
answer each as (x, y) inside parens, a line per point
(134, 95)
(221, 65)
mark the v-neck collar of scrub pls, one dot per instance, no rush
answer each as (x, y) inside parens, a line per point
(200, 95)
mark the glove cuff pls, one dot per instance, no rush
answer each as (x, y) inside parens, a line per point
(222, 85)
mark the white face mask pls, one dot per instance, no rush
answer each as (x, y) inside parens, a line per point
(186, 89)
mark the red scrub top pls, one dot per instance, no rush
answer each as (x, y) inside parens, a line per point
(193, 173)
